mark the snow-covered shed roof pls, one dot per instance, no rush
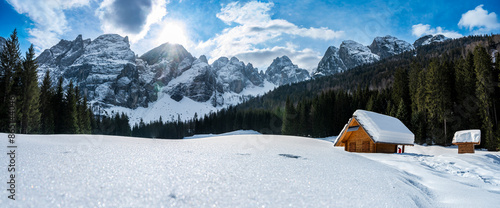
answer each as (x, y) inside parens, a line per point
(467, 136)
(382, 128)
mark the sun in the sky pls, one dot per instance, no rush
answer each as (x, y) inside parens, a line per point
(172, 32)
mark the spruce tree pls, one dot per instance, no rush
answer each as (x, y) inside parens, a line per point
(59, 108)
(402, 114)
(485, 91)
(71, 114)
(10, 62)
(31, 94)
(85, 117)
(433, 101)
(289, 119)
(46, 95)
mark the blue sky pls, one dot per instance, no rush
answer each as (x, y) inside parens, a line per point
(253, 31)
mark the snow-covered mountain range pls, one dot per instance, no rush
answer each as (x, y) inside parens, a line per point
(352, 54)
(166, 79)
(157, 83)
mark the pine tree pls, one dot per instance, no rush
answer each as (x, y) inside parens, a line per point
(402, 114)
(289, 119)
(484, 92)
(59, 108)
(47, 116)
(433, 100)
(71, 114)
(30, 98)
(10, 62)
(85, 117)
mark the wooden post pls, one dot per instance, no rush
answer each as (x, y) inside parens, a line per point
(403, 149)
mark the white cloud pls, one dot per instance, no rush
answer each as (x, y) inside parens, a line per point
(262, 58)
(421, 29)
(480, 19)
(48, 17)
(132, 18)
(253, 28)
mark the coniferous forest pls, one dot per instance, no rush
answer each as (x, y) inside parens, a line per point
(446, 87)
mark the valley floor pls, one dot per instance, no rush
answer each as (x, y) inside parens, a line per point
(241, 170)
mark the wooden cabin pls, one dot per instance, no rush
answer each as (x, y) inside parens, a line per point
(372, 132)
(466, 140)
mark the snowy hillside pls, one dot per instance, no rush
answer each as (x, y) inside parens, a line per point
(243, 171)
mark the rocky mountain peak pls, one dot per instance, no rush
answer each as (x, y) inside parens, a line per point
(428, 39)
(331, 63)
(389, 46)
(283, 71)
(355, 54)
(167, 51)
(203, 58)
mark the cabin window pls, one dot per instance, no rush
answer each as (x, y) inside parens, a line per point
(352, 147)
(365, 146)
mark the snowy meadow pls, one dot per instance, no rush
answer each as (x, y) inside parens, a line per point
(243, 169)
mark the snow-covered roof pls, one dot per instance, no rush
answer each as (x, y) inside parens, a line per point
(382, 128)
(470, 136)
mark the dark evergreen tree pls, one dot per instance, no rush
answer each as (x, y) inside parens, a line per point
(485, 90)
(59, 108)
(289, 119)
(71, 114)
(85, 117)
(402, 114)
(47, 115)
(30, 122)
(10, 62)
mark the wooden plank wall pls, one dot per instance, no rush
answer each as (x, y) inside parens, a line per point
(357, 138)
(386, 148)
(465, 148)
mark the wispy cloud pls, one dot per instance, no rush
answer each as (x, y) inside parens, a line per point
(421, 29)
(48, 18)
(251, 27)
(479, 19)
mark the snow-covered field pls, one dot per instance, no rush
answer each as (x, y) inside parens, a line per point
(241, 171)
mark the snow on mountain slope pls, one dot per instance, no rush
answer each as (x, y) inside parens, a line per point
(282, 71)
(169, 109)
(354, 54)
(428, 39)
(389, 46)
(331, 63)
(226, 171)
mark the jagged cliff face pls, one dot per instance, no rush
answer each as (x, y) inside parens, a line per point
(389, 46)
(104, 69)
(110, 74)
(352, 54)
(283, 71)
(331, 63)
